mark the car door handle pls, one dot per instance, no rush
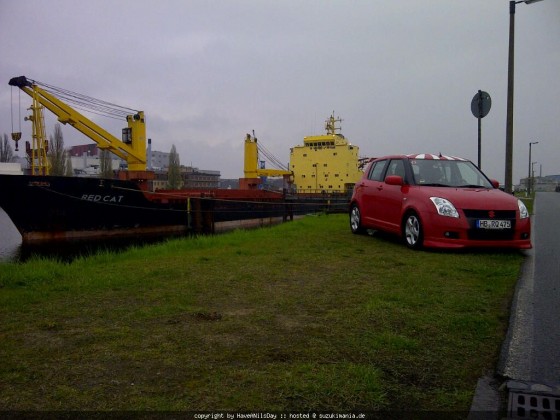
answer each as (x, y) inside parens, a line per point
(380, 187)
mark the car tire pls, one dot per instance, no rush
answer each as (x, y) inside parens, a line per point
(356, 220)
(413, 233)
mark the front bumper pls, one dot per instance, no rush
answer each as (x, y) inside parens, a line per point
(447, 232)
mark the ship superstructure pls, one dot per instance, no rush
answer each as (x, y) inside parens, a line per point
(325, 163)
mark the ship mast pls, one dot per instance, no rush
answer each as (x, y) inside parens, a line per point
(330, 125)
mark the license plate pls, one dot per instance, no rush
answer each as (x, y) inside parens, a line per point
(493, 224)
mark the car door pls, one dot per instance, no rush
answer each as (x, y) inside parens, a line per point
(389, 198)
(369, 189)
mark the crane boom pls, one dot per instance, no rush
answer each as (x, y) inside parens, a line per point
(133, 146)
(251, 169)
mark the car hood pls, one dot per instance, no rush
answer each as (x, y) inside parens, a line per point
(474, 198)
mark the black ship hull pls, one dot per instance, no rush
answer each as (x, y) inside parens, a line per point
(52, 208)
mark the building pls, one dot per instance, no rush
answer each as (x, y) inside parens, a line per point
(193, 178)
(200, 178)
(159, 182)
(158, 160)
(11, 168)
(325, 163)
(229, 184)
(85, 162)
(84, 149)
(541, 183)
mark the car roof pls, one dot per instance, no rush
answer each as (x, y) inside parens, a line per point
(421, 156)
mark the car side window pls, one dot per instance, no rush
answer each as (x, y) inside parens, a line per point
(396, 167)
(376, 171)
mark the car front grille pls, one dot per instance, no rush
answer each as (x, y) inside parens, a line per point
(477, 234)
(484, 214)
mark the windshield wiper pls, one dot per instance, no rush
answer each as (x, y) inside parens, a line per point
(434, 184)
(472, 186)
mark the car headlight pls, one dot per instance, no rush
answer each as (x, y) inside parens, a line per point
(523, 212)
(444, 207)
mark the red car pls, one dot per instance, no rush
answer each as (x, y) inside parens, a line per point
(438, 201)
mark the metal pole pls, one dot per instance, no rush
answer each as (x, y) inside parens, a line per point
(479, 143)
(509, 122)
(479, 129)
(529, 173)
(529, 181)
(532, 173)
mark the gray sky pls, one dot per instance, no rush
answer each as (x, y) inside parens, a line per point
(400, 73)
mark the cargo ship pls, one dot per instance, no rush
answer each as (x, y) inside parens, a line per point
(44, 207)
(56, 208)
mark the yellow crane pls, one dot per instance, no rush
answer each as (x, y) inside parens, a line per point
(132, 147)
(253, 171)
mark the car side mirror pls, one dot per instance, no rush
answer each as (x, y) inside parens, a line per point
(495, 184)
(394, 180)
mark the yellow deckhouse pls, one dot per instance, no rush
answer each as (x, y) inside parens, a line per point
(325, 163)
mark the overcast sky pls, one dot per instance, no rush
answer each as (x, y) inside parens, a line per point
(400, 73)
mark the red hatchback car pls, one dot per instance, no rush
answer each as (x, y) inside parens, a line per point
(438, 201)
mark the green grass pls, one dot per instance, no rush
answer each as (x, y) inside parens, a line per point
(301, 316)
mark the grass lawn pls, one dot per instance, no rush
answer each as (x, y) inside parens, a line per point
(300, 316)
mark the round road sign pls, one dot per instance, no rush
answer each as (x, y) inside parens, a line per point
(481, 104)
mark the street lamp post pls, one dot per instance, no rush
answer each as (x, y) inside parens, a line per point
(509, 121)
(532, 173)
(529, 178)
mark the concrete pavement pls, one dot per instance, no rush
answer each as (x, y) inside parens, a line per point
(528, 373)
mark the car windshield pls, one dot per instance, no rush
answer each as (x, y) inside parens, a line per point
(448, 173)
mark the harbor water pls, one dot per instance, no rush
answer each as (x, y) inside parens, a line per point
(10, 239)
